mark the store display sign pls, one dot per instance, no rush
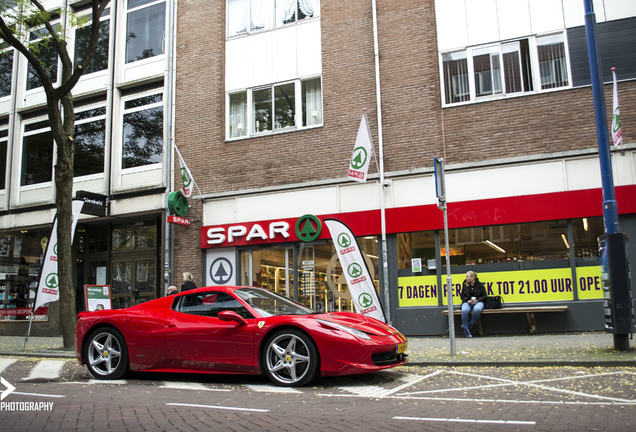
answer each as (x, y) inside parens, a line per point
(97, 297)
(518, 286)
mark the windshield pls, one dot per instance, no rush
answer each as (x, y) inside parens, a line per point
(268, 303)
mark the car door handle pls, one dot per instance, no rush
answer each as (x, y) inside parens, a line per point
(171, 324)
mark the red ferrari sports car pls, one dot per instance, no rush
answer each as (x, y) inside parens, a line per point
(235, 330)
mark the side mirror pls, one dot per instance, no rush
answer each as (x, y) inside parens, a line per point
(232, 316)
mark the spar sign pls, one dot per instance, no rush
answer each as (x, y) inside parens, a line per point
(514, 286)
(363, 295)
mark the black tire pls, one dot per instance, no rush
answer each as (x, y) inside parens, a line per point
(106, 354)
(290, 358)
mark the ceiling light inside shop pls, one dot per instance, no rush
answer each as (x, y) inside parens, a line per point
(494, 246)
(585, 227)
(565, 241)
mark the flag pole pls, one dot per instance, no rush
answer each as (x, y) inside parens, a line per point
(385, 263)
(193, 180)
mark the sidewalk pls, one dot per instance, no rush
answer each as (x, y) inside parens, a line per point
(571, 349)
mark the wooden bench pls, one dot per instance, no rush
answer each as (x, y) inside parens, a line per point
(530, 312)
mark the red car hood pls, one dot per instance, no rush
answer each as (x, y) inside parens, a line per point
(359, 322)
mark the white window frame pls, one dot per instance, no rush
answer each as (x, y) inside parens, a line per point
(106, 15)
(249, 123)
(103, 117)
(25, 123)
(535, 76)
(58, 70)
(120, 126)
(270, 21)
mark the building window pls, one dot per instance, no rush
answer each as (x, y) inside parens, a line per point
(487, 71)
(504, 69)
(21, 258)
(82, 38)
(312, 102)
(143, 131)
(456, 86)
(89, 139)
(244, 16)
(145, 29)
(6, 71)
(238, 114)
(44, 49)
(4, 139)
(552, 61)
(275, 108)
(37, 153)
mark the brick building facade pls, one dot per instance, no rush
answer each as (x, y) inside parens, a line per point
(522, 166)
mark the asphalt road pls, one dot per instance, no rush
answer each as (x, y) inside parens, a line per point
(60, 395)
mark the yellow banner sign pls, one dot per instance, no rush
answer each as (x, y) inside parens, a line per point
(518, 286)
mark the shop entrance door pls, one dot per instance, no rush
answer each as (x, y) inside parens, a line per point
(133, 281)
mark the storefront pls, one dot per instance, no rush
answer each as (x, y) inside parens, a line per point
(123, 255)
(528, 257)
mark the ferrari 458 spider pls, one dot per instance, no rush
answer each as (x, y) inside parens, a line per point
(235, 330)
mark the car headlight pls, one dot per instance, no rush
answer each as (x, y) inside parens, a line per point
(351, 331)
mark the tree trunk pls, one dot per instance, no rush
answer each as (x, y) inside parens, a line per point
(64, 198)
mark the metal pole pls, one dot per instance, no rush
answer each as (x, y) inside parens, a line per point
(449, 287)
(385, 261)
(610, 209)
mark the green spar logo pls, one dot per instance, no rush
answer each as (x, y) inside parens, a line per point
(354, 270)
(616, 124)
(365, 300)
(344, 240)
(308, 228)
(186, 178)
(359, 157)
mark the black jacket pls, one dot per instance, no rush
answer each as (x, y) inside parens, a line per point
(188, 285)
(477, 290)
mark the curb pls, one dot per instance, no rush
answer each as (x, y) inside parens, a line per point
(526, 363)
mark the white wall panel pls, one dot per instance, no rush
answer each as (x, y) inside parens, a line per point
(482, 21)
(121, 207)
(236, 64)
(514, 18)
(284, 54)
(505, 181)
(618, 9)
(414, 191)
(260, 59)
(359, 196)
(451, 24)
(218, 212)
(583, 173)
(546, 16)
(623, 169)
(287, 204)
(309, 49)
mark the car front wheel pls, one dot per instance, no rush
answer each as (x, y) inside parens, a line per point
(290, 358)
(106, 354)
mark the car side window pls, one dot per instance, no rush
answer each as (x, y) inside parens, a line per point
(210, 304)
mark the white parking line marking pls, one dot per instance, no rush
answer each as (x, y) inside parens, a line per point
(188, 386)
(46, 369)
(451, 420)
(96, 381)
(264, 388)
(218, 407)
(38, 395)
(5, 363)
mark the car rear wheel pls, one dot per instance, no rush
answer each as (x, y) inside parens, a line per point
(106, 354)
(290, 358)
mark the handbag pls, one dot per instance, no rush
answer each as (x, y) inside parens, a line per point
(494, 302)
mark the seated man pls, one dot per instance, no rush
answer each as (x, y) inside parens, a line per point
(473, 295)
